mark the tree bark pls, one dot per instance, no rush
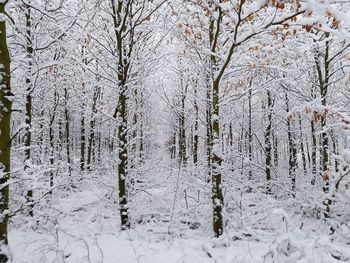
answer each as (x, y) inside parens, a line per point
(302, 148)
(51, 141)
(82, 139)
(250, 133)
(92, 129)
(323, 82)
(217, 195)
(182, 129)
(5, 130)
(28, 106)
(268, 143)
(67, 132)
(292, 151)
(196, 127)
(123, 160)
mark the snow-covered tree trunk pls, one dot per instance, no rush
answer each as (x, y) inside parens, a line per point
(292, 151)
(268, 142)
(28, 103)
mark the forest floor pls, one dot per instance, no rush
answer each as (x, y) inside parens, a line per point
(86, 229)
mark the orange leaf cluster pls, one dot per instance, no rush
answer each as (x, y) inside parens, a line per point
(278, 4)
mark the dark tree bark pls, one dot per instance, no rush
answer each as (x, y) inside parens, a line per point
(28, 104)
(217, 195)
(5, 130)
(323, 67)
(51, 140)
(292, 150)
(250, 133)
(182, 129)
(313, 152)
(323, 75)
(92, 129)
(67, 132)
(196, 127)
(268, 143)
(82, 139)
(302, 148)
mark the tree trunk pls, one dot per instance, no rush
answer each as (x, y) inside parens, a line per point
(5, 131)
(142, 146)
(117, 9)
(268, 144)
(217, 195)
(82, 140)
(275, 150)
(250, 133)
(182, 129)
(123, 160)
(51, 141)
(323, 79)
(313, 152)
(173, 146)
(302, 148)
(292, 151)
(196, 126)
(92, 129)
(28, 106)
(67, 128)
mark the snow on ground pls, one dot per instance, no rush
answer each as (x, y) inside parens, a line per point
(86, 229)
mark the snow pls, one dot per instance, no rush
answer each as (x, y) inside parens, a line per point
(87, 229)
(76, 217)
(84, 243)
(346, 155)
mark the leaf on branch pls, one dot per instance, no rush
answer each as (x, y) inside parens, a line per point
(307, 28)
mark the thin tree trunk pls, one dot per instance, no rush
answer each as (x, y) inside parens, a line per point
(303, 154)
(123, 160)
(123, 67)
(92, 129)
(67, 128)
(250, 133)
(275, 150)
(141, 146)
(28, 106)
(51, 141)
(173, 146)
(82, 140)
(313, 152)
(196, 126)
(182, 130)
(268, 144)
(292, 151)
(216, 161)
(323, 78)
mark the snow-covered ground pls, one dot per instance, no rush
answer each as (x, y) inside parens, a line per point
(169, 226)
(91, 234)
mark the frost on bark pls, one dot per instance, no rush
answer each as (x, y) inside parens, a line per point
(182, 129)
(28, 104)
(323, 75)
(292, 151)
(196, 126)
(216, 158)
(268, 143)
(92, 136)
(118, 12)
(123, 160)
(217, 195)
(67, 132)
